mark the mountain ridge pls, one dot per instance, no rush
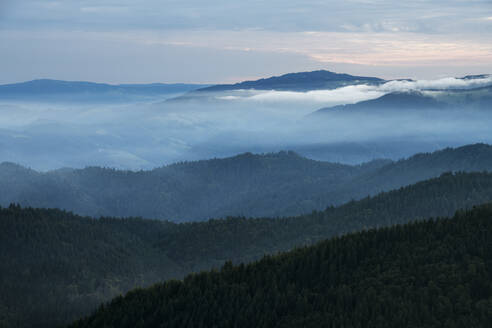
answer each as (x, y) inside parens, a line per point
(245, 185)
(396, 276)
(83, 91)
(58, 266)
(312, 80)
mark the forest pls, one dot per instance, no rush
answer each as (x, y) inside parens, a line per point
(431, 273)
(57, 266)
(251, 185)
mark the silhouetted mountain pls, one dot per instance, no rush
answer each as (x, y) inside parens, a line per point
(303, 81)
(251, 185)
(57, 266)
(434, 273)
(56, 89)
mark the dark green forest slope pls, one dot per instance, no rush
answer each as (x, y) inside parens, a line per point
(197, 245)
(57, 266)
(435, 273)
(246, 185)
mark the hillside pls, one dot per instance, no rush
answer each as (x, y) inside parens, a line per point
(77, 90)
(433, 273)
(57, 266)
(198, 245)
(303, 81)
(391, 101)
(474, 99)
(245, 185)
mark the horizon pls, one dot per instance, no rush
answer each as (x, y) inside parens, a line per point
(231, 82)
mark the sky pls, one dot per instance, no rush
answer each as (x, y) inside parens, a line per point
(223, 41)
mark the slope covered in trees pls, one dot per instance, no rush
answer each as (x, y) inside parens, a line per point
(198, 245)
(302, 81)
(435, 273)
(450, 100)
(245, 185)
(57, 266)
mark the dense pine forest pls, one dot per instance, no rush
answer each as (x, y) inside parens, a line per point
(435, 273)
(57, 266)
(268, 185)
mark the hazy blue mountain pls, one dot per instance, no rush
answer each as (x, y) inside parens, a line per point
(466, 99)
(302, 81)
(396, 101)
(78, 90)
(246, 184)
(276, 184)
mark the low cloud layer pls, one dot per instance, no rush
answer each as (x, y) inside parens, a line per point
(439, 84)
(146, 135)
(351, 94)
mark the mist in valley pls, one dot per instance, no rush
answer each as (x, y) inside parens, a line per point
(144, 134)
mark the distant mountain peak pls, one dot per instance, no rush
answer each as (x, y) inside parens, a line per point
(300, 81)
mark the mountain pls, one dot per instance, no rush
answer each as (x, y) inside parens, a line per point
(391, 101)
(277, 184)
(300, 82)
(197, 245)
(434, 273)
(466, 99)
(246, 184)
(303, 81)
(472, 158)
(57, 266)
(62, 90)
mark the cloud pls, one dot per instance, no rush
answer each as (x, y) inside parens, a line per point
(439, 84)
(310, 99)
(145, 135)
(351, 94)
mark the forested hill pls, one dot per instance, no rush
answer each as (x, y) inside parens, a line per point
(247, 184)
(198, 245)
(391, 101)
(57, 266)
(472, 158)
(250, 185)
(302, 81)
(434, 273)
